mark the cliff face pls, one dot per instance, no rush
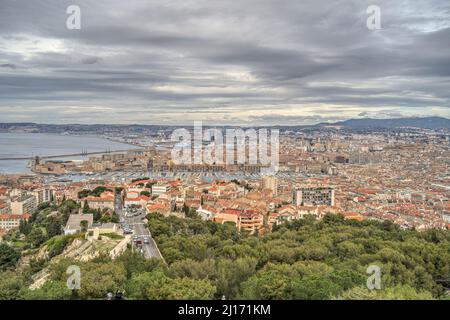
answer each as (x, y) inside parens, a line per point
(79, 249)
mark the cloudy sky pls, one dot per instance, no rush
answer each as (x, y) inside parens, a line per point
(222, 62)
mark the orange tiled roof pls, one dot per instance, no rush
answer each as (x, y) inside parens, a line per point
(231, 211)
(139, 182)
(14, 216)
(100, 199)
(138, 198)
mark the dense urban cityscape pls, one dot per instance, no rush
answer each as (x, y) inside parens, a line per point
(110, 203)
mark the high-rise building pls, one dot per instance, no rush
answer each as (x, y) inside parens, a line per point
(42, 195)
(271, 183)
(313, 196)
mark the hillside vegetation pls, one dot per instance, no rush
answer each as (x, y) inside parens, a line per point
(305, 259)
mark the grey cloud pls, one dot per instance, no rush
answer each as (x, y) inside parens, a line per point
(91, 60)
(8, 65)
(284, 61)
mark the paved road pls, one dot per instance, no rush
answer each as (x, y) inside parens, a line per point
(140, 230)
(118, 207)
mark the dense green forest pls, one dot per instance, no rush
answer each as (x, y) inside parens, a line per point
(305, 259)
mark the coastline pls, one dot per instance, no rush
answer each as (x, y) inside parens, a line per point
(16, 162)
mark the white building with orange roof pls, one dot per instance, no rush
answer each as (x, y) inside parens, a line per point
(251, 220)
(135, 199)
(229, 215)
(353, 216)
(302, 211)
(213, 190)
(207, 212)
(11, 221)
(162, 208)
(160, 188)
(105, 201)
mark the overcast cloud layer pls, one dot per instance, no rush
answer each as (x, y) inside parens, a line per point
(223, 62)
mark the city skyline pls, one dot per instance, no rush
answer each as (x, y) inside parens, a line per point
(258, 63)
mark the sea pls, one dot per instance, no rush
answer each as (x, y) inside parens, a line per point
(14, 145)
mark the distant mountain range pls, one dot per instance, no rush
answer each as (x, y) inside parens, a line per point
(425, 123)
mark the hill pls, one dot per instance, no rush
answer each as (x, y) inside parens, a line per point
(425, 123)
(304, 259)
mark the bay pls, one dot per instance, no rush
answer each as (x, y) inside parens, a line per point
(43, 144)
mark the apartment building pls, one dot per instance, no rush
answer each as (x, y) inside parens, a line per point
(105, 201)
(228, 215)
(42, 195)
(134, 199)
(250, 221)
(4, 207)
(270, 183)
(11, 221)
(160, 188)
(314, 196)
(24, 204)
